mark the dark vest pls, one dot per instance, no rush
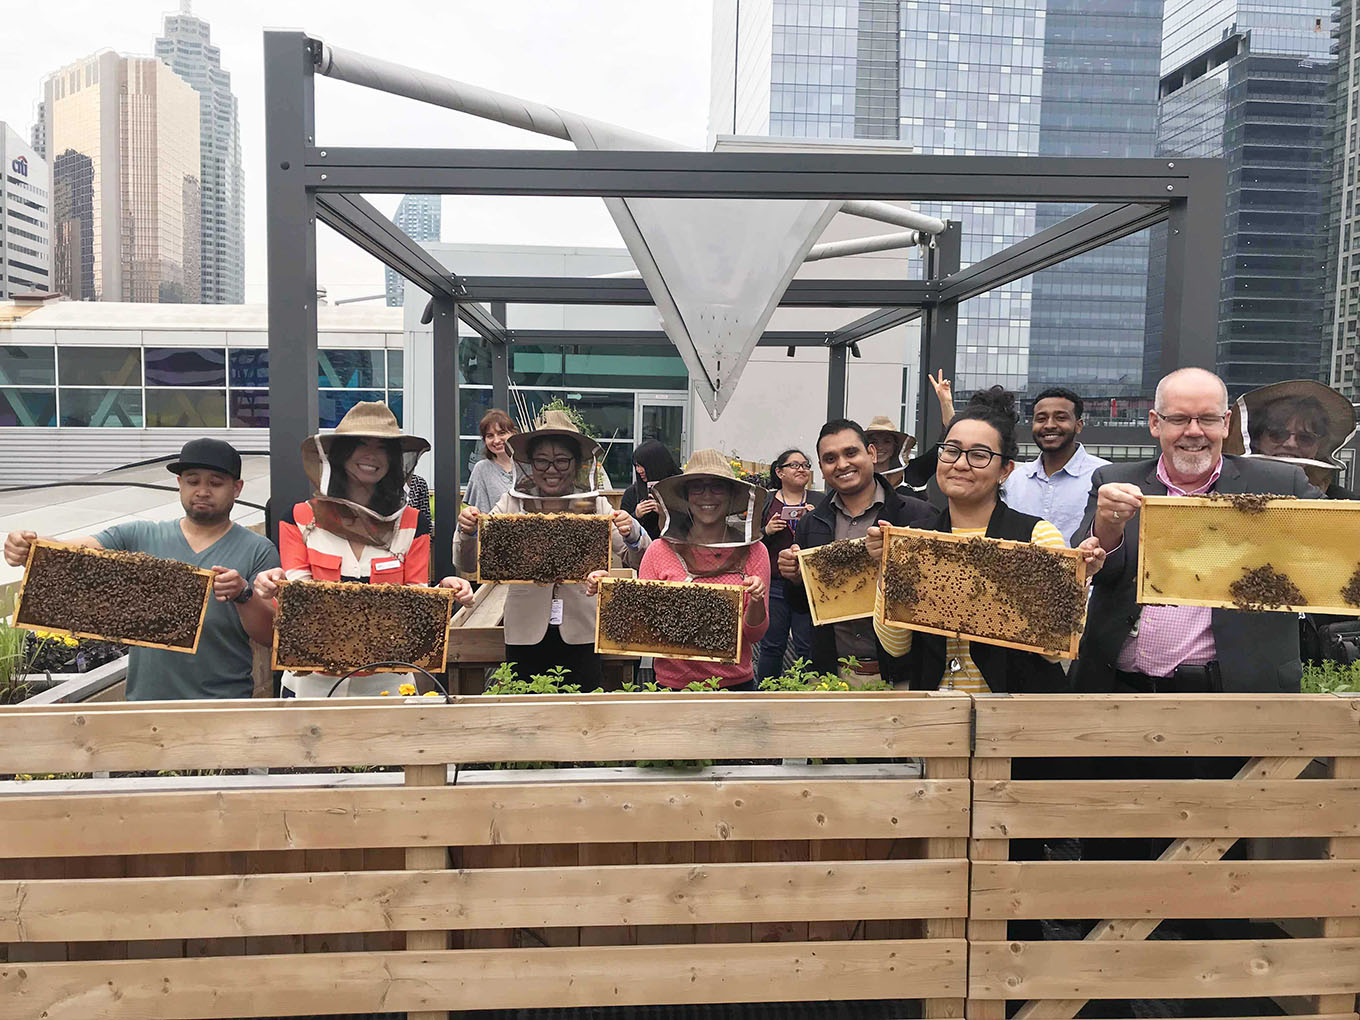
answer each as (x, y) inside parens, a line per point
(1006, 670)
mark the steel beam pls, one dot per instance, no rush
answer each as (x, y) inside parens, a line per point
(594, 290)
(654, 338)
(939, 333)
(358, 221)
(804, 175)
(835, 383)
(445, 422)
(500, 363)
(1194, 274)
(291, 250)
(1074, 235)
(873, 324)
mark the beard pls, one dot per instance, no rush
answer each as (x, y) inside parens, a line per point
(1192, 464)
(207, 516)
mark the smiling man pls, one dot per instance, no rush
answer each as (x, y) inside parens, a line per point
(209, 472)
(1180, 649)
(1054, 487)
(856, 498)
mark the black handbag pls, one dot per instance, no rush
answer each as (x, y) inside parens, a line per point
(1329, 639)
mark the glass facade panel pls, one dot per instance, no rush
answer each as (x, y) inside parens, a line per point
(250, 367)
(395, 376)
(186, 409)
(643, 368)
(474, 361)
(185, 366)
(28, 366)
(394, 403)
(250, 409)
(28, 408)
(332, 404)
(350, 369)
(99, 366)
(101, 408)
(472, 404)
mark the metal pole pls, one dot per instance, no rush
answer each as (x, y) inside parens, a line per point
(835, 382)
(291, 214)
(445, 417)
(500, 366)
(1194, 273)
(939, 332)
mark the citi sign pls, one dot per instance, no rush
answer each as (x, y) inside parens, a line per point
(19, 165)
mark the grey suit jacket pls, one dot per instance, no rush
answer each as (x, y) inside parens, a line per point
(1257, 652)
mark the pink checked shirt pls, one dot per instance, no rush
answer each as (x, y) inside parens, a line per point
(1171, 636)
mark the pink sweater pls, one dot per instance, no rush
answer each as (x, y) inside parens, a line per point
(661, 563)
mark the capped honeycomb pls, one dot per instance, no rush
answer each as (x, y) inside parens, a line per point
(840, 579)
(542, 548)
(112, 595)
(1013, 594)
(337, 626)
(1250, 552)
(670, 619)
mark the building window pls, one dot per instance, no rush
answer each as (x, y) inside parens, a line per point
(250, 367)
(27, 408)
(185, 366)
(28, 366)
(350, 369)
(101, 408)
(250, 409)
(333, 404)
(186, 409)
(99, 366)
(395, 369)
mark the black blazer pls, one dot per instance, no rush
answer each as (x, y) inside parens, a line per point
(819, 528)
(1257, 652)
(1006, 670)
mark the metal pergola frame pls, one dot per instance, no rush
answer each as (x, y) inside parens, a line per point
(306, 182)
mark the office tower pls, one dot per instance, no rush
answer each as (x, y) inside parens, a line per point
(1015, 77)
(418, 215)
(25, 218)
(73, 226)
(1248, 80)
(137, 123)
(38, 134)
(185, 45)
(1341, 311)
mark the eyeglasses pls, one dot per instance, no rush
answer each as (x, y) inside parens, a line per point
(797, 465)
(1282, 436)
(559, 464)
(978, 456)
(1206, 421)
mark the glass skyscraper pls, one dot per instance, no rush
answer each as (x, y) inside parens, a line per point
(419, 216)
(1248, 80)
(1010, 77)
(1342, 310)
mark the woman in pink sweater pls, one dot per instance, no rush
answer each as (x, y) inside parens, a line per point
(712, 534)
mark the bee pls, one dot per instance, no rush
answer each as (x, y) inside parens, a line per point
(340, 626)
(694, 619)
(544, 548)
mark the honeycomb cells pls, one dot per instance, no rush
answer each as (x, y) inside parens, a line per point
(544, 548)
(341, 626)
(693, 619)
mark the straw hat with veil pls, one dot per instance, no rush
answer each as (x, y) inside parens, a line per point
(891, 446)
(556, 455)
(1299, 421)
(707, 506)
(324, 457)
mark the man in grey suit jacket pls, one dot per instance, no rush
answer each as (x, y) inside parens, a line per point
(1128, 647)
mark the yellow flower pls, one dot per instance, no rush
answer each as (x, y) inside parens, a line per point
(69, 642)
(407, 690)
(384, 694)
(431, 694)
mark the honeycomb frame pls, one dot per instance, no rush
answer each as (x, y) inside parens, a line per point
(829, 605)
(661, 649)
(596, 559)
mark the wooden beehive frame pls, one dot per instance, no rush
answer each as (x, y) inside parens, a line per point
(893, 534)
(431, 663)
(603, 565)
(113, 554)
(607, 647)
(1160, 588)
(813, 586)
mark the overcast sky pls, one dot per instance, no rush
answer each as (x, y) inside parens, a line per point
(638, 63)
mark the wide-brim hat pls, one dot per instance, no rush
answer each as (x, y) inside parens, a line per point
(557, 425)
(368, 419)
(903, 442)
(744, 509)
(1337, 410)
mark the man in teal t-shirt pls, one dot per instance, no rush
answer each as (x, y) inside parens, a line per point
(209, 473)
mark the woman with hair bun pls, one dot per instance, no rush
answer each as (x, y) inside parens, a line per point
(976, 454)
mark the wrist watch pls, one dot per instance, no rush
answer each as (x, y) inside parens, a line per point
(246, 594)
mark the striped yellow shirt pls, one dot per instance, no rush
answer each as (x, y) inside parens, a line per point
(961, 672)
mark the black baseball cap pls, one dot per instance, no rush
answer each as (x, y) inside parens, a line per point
(212, 454)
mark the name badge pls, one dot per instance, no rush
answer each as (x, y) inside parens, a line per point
(385, 570)
(555, 613)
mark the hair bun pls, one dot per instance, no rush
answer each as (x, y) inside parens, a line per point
(997, 398)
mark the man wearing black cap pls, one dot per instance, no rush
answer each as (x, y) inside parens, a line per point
(209, 473)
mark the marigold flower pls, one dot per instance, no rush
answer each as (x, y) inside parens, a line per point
(431, 694)
(384, 694)
(408, 690)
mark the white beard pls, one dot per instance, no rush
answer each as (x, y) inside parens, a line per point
(1192, 465)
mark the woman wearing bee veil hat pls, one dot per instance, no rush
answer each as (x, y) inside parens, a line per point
(1299, 421)
(356, 527)
(549, 625)
(712, 533)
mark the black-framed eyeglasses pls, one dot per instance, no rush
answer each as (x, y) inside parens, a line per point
(559, 464)
(797, 465)
(977, 456)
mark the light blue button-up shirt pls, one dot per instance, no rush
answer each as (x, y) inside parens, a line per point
(1059, 498)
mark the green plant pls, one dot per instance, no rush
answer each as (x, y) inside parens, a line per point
(802, 677)
(17, 655)
(577, 418)
(1331, 678)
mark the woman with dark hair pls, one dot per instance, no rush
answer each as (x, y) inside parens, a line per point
(356, 527)
(975, 456)
(652, 462)
(496, 474)
(789, 499)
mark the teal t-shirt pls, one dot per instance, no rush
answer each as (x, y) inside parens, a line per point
(222, 666)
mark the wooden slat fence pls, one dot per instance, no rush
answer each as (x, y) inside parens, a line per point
(1194, 777)
(460, 890)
